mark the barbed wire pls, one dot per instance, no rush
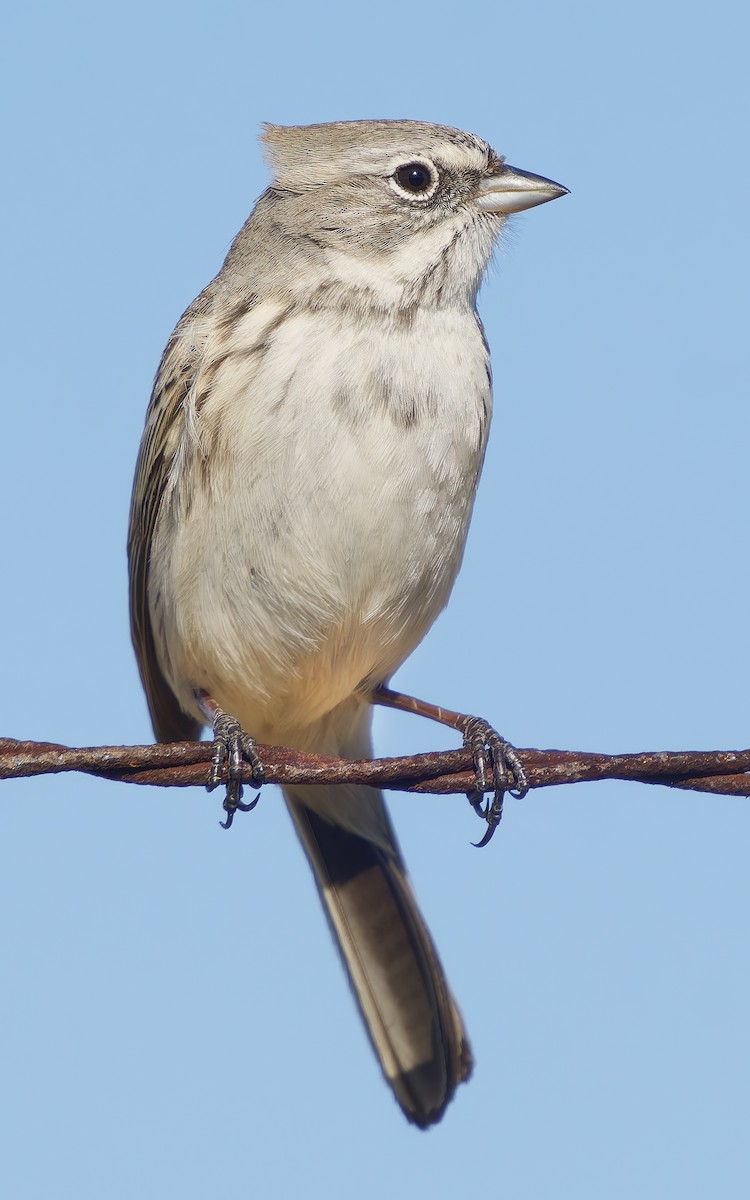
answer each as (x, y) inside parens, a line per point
(185, 764)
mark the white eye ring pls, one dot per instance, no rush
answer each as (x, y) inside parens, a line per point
(416, 179)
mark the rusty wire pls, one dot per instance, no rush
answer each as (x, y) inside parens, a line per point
(185, 764)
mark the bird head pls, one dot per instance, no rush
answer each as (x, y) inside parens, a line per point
(402, 208)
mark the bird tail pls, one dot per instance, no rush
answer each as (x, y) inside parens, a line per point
(393, 967)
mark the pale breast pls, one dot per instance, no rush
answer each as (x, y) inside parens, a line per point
(320, 517)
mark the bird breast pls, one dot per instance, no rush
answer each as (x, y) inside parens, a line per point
(337, 460)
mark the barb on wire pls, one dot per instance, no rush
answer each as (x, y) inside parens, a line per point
(185, 764)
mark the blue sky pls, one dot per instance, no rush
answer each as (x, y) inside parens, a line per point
(173, 1018)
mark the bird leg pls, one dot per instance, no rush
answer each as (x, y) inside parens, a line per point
(231, 747)
(496, 763)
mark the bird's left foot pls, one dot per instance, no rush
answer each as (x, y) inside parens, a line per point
(498, 769)
(496, 763)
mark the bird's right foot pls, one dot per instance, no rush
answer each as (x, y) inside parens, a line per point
(232, 748)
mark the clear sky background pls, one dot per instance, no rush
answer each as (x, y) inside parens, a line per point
(173, 1017)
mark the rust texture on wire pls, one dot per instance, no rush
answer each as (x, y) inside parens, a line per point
(185, 764)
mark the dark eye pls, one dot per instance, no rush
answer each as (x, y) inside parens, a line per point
(415, 177)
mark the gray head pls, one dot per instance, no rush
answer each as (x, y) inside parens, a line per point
(387, 203)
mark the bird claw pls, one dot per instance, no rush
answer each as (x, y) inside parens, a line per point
(233, 805)
(494, 756)
(232, 747)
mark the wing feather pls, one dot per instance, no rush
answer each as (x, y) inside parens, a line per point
(160, 445)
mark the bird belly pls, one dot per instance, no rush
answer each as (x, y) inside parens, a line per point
(336, 482)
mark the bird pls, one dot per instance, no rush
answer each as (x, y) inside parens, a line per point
(301, 501)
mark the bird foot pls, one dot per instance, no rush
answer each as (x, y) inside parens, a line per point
(233, 747)
(498, 769)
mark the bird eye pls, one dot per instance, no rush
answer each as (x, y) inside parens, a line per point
(416, 178)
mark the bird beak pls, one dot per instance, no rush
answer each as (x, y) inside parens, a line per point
(510, 190)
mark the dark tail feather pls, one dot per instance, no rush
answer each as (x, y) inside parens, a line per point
(395, 973)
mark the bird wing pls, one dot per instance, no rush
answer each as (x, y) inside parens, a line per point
(160, 445)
